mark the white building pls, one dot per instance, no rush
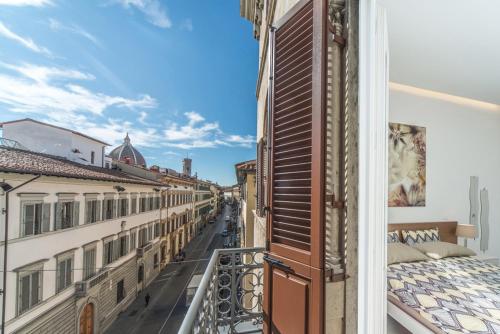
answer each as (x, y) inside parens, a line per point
(46, 138)
(79, 242)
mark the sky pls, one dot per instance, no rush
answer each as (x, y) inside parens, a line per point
(178, 75)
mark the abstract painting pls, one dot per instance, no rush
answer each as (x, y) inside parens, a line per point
(407, 164)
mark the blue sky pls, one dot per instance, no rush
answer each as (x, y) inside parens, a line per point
(178, 75)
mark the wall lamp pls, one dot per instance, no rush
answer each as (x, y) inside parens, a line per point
(119, 188)
(156, 189)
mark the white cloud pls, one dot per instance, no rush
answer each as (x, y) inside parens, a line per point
(34, 3)
(197, 133)
(142, 117)
(245, 141)
(43, 74)
(35, 92)
(111, 131)
(24, 41)
(152, 9)
(187, 24)
(55, 25)
(171, 153)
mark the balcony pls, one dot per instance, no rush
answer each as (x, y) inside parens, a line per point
(229, 297)
(142, 250)
(82, 288)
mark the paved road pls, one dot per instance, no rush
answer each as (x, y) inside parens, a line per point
(167, 308)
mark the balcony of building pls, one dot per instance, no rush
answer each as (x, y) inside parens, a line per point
(229, 296)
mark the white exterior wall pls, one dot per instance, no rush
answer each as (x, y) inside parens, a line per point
(47, 139)
(26, 250)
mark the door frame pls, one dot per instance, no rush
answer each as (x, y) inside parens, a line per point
(94, 315)
(373, 167)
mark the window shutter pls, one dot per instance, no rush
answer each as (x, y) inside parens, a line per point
(258, 204)
(98, 210)
(28, 218)
(294, 266)
(58, 215)
(115, 213)
(76, 213)
(292, 132)
(46, 217)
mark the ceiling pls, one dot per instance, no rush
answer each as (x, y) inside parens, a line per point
(449, 46)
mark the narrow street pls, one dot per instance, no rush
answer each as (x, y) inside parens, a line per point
(167, 306)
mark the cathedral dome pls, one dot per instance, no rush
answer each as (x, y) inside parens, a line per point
(128, 154)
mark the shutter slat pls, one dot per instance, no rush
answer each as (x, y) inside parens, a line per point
(292, 133)
(289, 28)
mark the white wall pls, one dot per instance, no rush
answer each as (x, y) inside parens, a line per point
(47, 139)
(26, 250)
(462, 140)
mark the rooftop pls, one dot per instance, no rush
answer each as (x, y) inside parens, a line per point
(15, 160)
(53, 126)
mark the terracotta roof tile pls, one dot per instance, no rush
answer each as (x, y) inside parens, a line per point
(27, 162)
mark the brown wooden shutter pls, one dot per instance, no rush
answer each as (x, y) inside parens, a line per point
(294, 268)
(260, 178)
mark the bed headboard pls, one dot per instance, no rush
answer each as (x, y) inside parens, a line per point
(447, 230)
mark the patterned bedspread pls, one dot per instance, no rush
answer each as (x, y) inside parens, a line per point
(457, 295)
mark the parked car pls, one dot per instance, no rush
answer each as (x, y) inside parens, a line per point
(211, 221)
(228, 218)
(224, 233)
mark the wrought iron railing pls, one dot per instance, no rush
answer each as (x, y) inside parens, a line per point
(229, 297)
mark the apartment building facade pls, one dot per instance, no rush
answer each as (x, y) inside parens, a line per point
(78, 242)
(180, 226)
(203, 203)
(246, 178)
(307, 162)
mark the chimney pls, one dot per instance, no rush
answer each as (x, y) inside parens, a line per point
(186, 166)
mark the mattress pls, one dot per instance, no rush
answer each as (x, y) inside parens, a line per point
(454, 295)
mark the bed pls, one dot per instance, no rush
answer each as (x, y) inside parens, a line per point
(450, 295)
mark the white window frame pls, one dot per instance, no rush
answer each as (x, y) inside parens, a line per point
(29, 271)
(86, 249)
(373, 166)
(23, 217)
(70, 256)
(95, 210)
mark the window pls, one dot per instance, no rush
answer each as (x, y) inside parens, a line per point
(109, 206)
(35, 218)
(157, 230)
(163, 200)
(67, 214)
(123, 245)
(64, 273)
(108, 252)
(120, 291)
(143, 204)
(143, 237)
(133, 236)
(150, 203)
(150, 232)
(133, 205)
(29, 288)
(155, 261)
(169, 200)
(92, 211)
(89, 266)
(156, 202)
(92, 157)
(123, 205)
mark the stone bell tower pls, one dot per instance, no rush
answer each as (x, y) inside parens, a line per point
(186, 166)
